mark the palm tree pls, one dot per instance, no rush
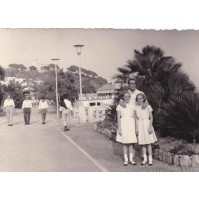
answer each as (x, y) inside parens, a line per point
(157, 74)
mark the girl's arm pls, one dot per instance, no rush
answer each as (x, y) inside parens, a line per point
(119, 122)
(151, 123)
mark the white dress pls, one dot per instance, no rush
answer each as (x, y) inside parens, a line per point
(127, 125)
(143, 126)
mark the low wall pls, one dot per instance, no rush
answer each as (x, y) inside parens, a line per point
(176, 160)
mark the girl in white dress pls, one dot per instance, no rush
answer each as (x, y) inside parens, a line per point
(126, 128)
(144, 128)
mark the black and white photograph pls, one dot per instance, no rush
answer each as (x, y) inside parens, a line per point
(99, 100)
(86, 100)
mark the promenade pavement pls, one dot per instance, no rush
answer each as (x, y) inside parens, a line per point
(39, 148)
(46, 148)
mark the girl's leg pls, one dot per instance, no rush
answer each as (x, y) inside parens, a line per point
(125, 150)
(131, 154)
(144, 154)
(149, 147)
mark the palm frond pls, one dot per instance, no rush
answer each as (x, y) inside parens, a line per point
(181, 117)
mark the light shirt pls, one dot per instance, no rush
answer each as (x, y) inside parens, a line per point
(133, 96)
(43, 105)
(8, 103)
(27, 104)
(68, 104)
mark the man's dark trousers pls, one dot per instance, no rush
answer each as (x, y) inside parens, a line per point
(26, 112)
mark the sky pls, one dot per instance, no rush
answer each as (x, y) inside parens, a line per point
(105, 49)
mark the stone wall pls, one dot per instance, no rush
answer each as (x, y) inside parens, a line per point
(176, 160)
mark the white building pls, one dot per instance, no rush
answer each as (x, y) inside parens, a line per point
(95, 104)
(8, 79)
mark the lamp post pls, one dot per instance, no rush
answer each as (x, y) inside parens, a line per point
(55, 62)
(79, 51)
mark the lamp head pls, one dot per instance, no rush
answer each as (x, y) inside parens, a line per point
(78, 49)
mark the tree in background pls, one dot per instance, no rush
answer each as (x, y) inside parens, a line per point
(16, 70)
(157, 75)
(68, 82)
(66, 85)
(20, 71)
(2, 76)
(15, 89)
(90, 80)
(2, 73)
(33, 68)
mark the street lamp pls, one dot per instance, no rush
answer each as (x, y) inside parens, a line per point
(79, 51)
(55, 62)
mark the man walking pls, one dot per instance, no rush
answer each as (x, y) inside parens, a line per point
(66, 108)
(27, 106)
(9, 106)
(43, 109)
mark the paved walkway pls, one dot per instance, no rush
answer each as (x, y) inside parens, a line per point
(109, 153)
(40, 148)
(46, 148)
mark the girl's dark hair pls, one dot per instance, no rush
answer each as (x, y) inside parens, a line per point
(141, 94)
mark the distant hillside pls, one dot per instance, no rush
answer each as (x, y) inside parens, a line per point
(90, 80)
(20, 71)
(85, 72)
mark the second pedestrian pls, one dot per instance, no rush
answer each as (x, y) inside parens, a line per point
(43, 109)
(27, 106)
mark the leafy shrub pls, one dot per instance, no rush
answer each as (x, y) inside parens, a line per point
(111, 114)
(180, 118)
(177, 146)
(15, 89)
(108, 125)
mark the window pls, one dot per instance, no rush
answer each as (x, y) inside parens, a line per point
(92, 104)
